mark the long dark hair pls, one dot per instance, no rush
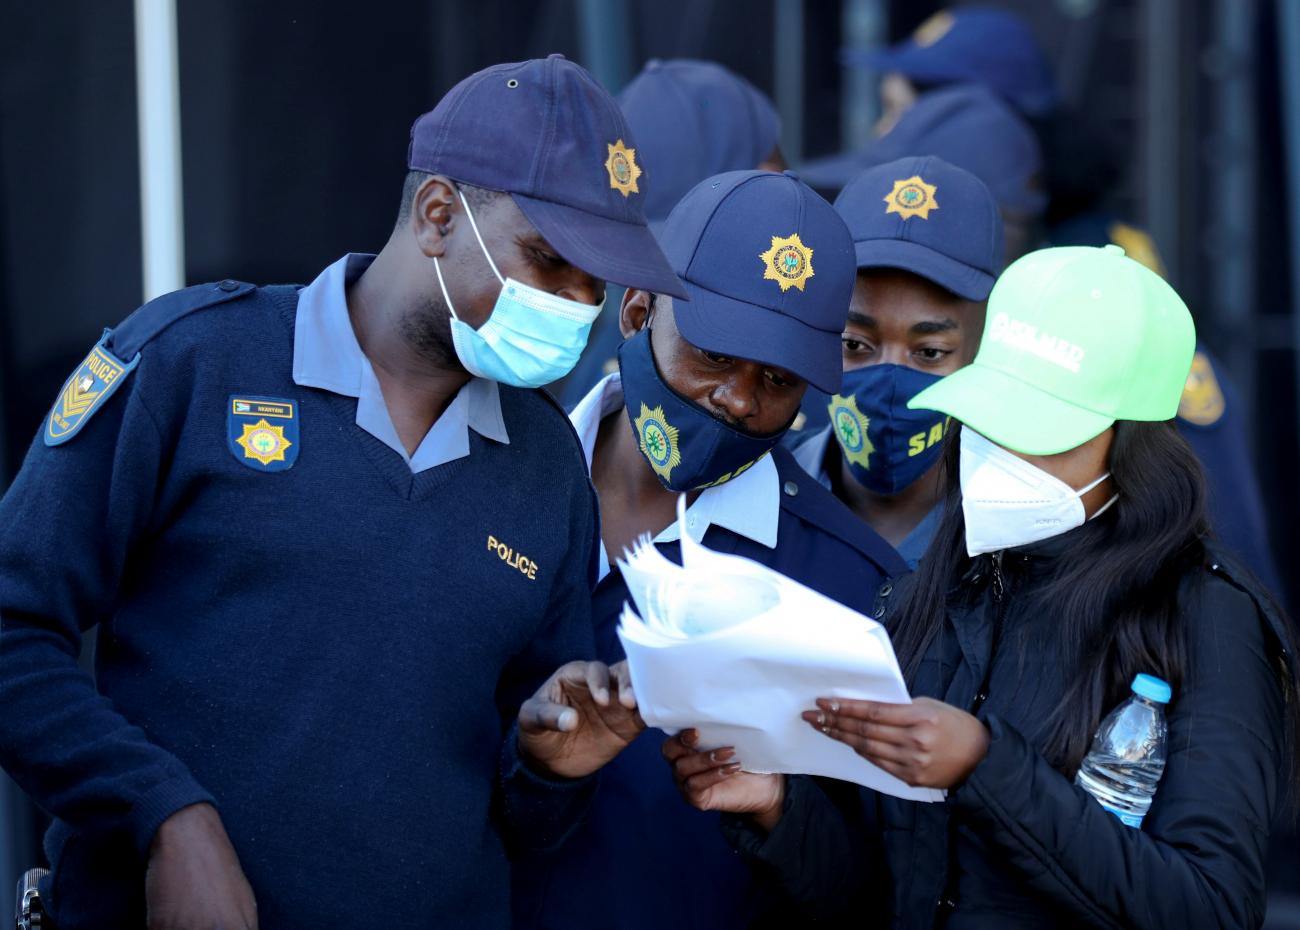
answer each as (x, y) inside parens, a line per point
(1114, 594)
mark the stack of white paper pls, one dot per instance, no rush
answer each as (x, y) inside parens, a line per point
(738, 651)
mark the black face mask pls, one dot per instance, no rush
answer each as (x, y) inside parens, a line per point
(687, 447)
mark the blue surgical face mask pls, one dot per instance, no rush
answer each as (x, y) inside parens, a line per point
(532, 338)
(886, 446)
(687, 446)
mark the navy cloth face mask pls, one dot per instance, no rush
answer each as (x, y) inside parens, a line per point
(886, 446)
(687, 447)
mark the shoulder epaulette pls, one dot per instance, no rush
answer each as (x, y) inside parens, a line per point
(135, 331)
(117, 354)
(1225, 566)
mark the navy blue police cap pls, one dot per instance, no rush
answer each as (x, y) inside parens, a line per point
(966, 126)
(769, 266)
(928, 217)
(980, 45)
(694, 119)
(545, 132)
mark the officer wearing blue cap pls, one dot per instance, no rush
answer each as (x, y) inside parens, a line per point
(928, 241)
(704, 393)
(970, 127)
(966, 45)
(695, 119)
(692, 119)
(333, 538)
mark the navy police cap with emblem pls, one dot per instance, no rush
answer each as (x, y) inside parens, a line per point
(770, 270)
(928, 217)
(545, 132)
(992, 47)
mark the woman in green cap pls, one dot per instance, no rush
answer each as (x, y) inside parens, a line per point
(1074, 554)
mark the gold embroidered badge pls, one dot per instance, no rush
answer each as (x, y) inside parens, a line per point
(788, 262)
(912, 197)
(264, 442)
(623, 169)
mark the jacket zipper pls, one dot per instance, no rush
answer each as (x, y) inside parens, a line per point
(998, 588)
(947, 902)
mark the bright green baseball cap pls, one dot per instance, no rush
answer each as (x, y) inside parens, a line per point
(1075, 339)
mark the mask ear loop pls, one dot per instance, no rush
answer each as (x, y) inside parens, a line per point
(474, 226)
(491, 264)
(443, 284)
(1104, 507)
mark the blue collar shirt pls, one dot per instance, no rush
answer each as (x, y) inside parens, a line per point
(326, 355)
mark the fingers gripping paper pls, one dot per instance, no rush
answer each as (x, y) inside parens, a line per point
(738, 651)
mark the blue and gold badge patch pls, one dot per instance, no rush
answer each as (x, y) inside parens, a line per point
(851, 429)
(1202, 402)
(262, 432)
(623, 169)
(91, 385)
(788, 262)
(658, 441)
(911, 197)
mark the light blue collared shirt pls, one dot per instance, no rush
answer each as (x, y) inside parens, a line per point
(748, 505)
(326, 355)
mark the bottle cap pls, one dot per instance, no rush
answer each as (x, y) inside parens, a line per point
(1152, 688)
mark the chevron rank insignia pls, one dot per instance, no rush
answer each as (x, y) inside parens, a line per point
(91, 385)
(262, 432)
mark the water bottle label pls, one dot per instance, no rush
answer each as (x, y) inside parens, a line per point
(1129, 820)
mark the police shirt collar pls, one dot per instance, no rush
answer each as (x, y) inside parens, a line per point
(326, 353)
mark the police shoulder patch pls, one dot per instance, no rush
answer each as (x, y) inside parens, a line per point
(93, 382)
(262, 432)
(1202, 403)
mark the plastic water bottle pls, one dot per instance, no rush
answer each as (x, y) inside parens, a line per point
(1127, 758)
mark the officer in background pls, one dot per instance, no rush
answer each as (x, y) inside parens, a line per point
(1210, 416)
(319, 613)
(970, 128)
(704, 393)
(970, 45)
(692, 119)
(928, 243)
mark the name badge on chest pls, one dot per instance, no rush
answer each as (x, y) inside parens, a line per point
(262, 432)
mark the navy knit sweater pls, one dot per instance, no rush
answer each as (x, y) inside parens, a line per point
(332, 654)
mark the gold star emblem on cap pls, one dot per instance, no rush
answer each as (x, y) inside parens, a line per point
(912, 197)
(264, 442)
(622, 168)
(788, 262)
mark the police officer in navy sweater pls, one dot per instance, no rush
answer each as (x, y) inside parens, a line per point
(332, 539)
(704, 394)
